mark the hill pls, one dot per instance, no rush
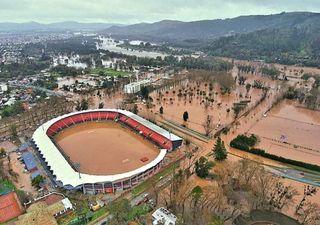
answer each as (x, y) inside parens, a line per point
(290, 44)
(199, 31)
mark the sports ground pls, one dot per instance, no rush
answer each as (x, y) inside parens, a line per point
(105, 148)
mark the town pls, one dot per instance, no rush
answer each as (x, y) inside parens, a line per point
(110, 126)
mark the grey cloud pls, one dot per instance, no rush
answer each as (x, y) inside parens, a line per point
(132, 11)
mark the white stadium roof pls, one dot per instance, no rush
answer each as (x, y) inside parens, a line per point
(63, 170)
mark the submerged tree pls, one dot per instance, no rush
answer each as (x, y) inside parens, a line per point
(185, 116)
(101, 105)
(208, 125)
(161, 110)
(135, 109)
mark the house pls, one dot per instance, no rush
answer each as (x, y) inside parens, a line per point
(29, 161)
(3, 88)
(41, 212)
(163, 216)
(23, 147)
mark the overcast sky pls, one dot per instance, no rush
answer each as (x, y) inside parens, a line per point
(133, 11)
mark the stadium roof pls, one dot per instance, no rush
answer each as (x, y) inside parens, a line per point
(64, 171)
(29, 160)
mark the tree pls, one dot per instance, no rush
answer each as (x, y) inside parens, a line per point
(311, 214)
(120, 212)
(237, 109)
(208, 125)
(13, 130)
(219, 150)
(216, 221)
(135, 109)
(202, 167)
(78, 106)
(248, 86)
(37, 181)
(101, 105)
(161, 110)
(144, 92)
(84, 104)
(196, 195)
(2, 152)
(241, 80)
(185, 116)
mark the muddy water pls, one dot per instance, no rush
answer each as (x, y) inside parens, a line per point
(174, 109)
(301, 128)
(105, 148)
(290, 110)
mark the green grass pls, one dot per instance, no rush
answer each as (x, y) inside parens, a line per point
(108, 72)
(6, 186)
(148, 183)
(101, 212)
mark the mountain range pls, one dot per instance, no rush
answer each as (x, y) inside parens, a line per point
(54, 27)
(177, 31)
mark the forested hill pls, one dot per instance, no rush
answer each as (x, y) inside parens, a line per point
(198, 31)
(295, 44)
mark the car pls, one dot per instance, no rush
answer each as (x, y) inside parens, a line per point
(103, 223)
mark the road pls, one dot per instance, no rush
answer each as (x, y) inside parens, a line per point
(292, 174)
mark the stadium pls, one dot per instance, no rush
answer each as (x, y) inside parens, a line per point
(102, 150)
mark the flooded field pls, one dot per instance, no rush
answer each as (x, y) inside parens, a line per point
(110, 45)
(291, 132)
(105, 148)
(220, 109)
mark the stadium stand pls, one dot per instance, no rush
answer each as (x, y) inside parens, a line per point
(65, 175)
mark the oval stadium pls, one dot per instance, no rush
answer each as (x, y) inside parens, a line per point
(103, 150)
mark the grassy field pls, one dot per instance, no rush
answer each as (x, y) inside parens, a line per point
(108, 72)
(6, 186)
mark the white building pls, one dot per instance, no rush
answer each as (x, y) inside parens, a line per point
(135, 87)
(164, 216)
(3, 88)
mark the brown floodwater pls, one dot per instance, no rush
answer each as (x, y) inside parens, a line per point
(300, 126)
(105, 148)
(174, 109)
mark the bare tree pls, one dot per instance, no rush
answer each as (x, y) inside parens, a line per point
(310, 214)
(208, 125)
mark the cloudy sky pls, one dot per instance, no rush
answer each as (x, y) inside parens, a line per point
(133, 11)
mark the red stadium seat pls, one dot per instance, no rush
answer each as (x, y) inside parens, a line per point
(68, 121)
(145, 131)
(132, 123)
(103, 115)
(86, 117)
(77, 119)
(123, 118)
(95, 115)
(112, 115)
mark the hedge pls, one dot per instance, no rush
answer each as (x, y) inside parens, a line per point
(236, 143)
(285, 160)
